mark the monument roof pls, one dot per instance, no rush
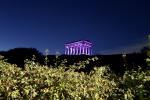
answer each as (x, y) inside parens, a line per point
(79, 41)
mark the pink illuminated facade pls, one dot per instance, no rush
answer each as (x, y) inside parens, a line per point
(78, 48)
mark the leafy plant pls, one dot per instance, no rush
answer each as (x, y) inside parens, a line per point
(41, 82)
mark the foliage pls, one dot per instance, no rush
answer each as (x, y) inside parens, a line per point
(42, 82)
(134, 85)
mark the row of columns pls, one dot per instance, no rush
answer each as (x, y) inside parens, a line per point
(78, 50)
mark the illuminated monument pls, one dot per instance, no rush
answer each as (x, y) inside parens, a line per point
(82, 47)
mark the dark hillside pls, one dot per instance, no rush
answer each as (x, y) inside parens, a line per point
(118, 63)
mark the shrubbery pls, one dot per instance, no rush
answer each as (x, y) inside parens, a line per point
(42, 82)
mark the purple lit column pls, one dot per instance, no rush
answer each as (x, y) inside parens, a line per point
(76, 50)
(86, 51)
(73, 50)
(68, 50)
(80, 50)
(83, 50)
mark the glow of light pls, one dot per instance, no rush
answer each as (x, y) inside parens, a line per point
(80, 46)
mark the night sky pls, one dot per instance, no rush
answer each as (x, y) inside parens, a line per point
(113, 26)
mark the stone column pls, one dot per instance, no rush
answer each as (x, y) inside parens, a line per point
(86, 52)
(73, 50)
(76, 50)
(80, 50)
(70, 50)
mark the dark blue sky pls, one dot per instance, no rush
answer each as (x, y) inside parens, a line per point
(113, 26)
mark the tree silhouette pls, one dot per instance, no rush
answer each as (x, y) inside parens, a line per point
(18, 55)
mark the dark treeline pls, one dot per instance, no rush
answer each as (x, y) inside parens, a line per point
(118, 63)
(19, 55)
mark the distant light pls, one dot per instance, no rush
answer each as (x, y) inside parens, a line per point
(124, 55)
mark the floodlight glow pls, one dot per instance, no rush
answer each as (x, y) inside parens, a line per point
(78, 48)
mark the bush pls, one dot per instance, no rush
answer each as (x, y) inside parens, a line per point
(41, 82)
